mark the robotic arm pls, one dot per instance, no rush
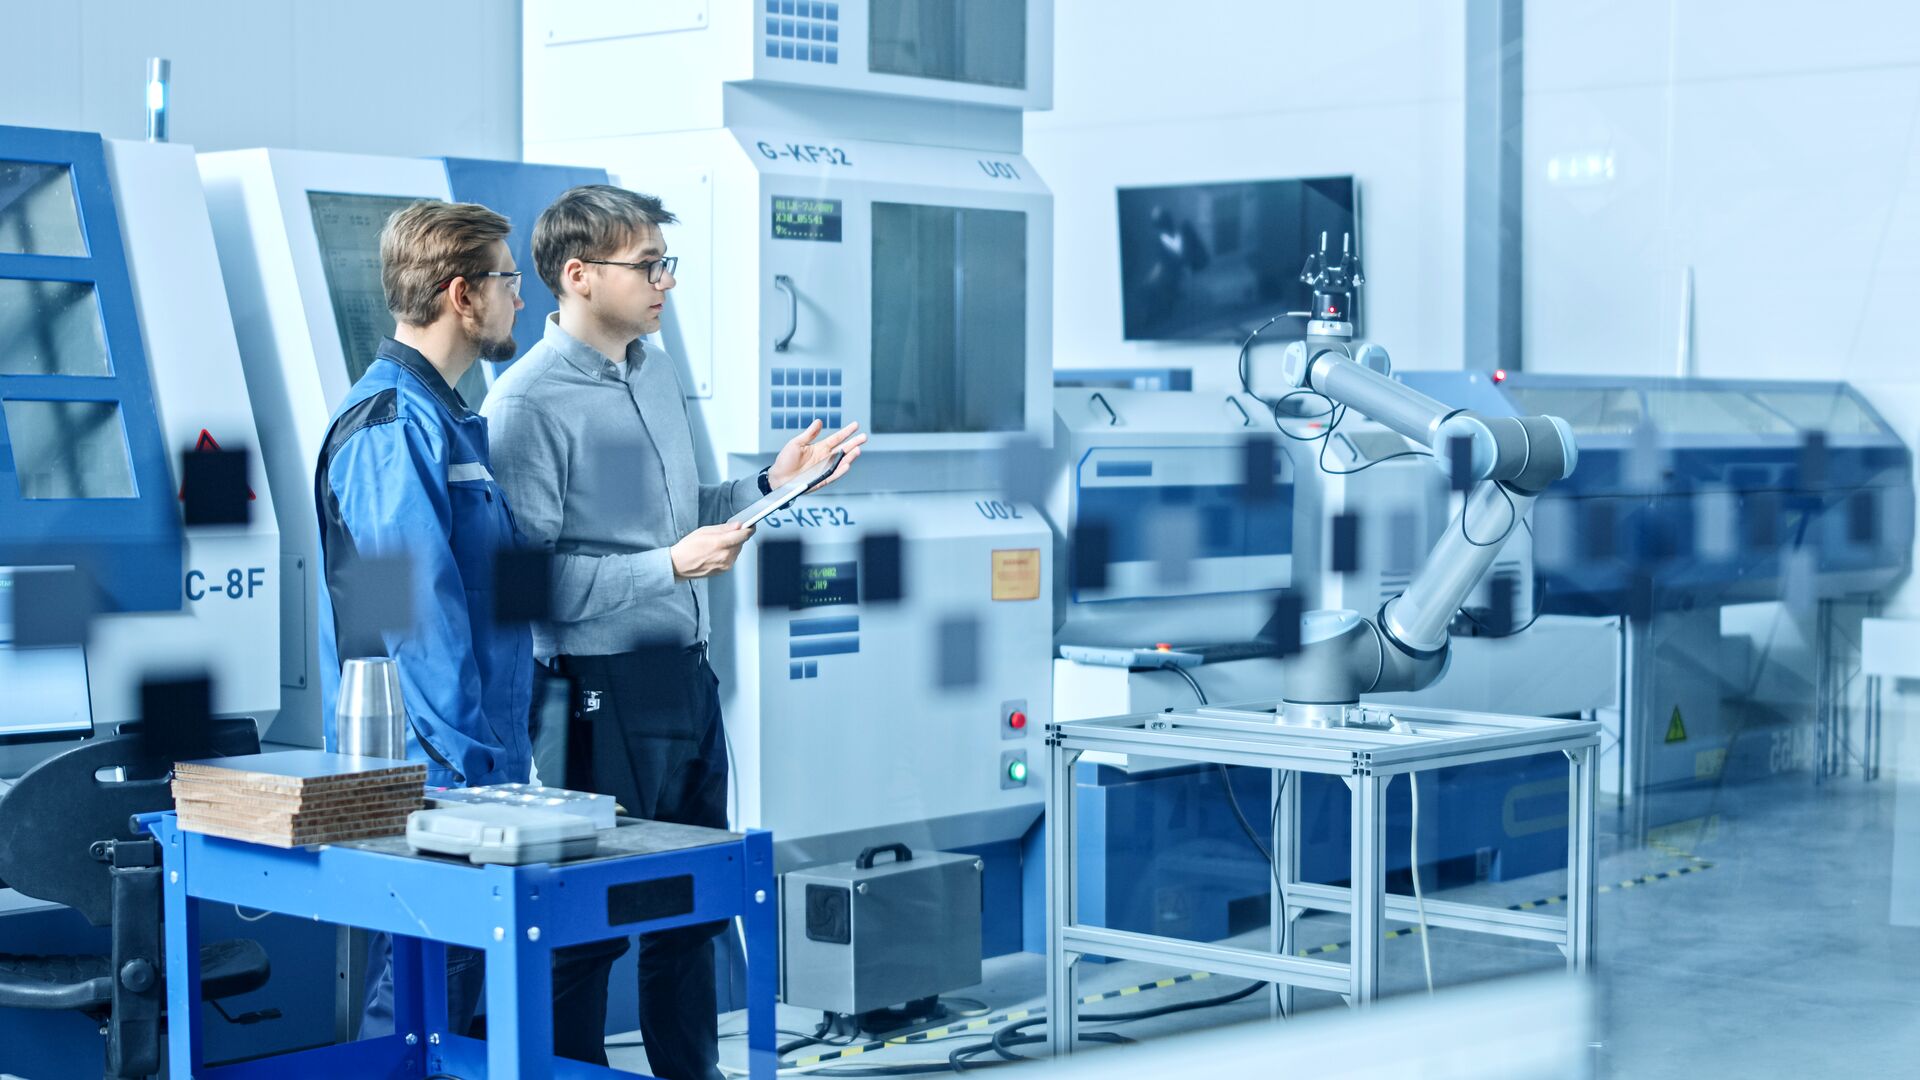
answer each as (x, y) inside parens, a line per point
(1509, 460)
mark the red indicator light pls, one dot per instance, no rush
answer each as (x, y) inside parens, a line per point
(1500, 375)
(1017, 720)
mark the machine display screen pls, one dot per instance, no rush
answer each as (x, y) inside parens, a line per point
(824, 584)
(1227, 525)
(348, 229)
(46, 686)
(983, 42)
(949, 319)
(1214, 261)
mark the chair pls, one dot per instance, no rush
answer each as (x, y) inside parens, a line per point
(66, 837)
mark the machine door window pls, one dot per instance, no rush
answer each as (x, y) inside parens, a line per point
(50, 328)
(38, 213)
(949, 319)
(69, 449)
(983, 42)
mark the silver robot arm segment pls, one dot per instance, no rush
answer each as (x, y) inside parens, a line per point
(1404, 647)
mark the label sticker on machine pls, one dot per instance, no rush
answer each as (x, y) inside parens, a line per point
(796, 218)
(828, 583)
(1016, 574)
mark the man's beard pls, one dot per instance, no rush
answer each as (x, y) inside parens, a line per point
(498, 350)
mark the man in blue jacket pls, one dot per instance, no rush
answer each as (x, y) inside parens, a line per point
(404, 479)
(404, 475)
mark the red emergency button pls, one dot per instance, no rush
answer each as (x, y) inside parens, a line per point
(1016, 719)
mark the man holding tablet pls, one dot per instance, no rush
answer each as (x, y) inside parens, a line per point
(592, 443)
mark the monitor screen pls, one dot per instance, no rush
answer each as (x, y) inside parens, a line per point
(348, 230)
(1214, 261)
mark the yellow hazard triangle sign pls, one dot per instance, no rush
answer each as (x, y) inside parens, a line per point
(1676, 728)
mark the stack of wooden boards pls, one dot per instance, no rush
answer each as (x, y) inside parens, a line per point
(297, 797)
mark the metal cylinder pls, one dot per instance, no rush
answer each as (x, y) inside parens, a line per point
(1377, 397)
(1418, 618)
(159, 95)
(370, 718)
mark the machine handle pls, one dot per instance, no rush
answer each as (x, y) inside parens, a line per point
(1245, 420)
(900, 854)
(1113, 418)
(785, 284)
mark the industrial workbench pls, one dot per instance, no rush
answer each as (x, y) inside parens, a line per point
(1394, 740)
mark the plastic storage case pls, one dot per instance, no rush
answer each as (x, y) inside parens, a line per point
(502, 834)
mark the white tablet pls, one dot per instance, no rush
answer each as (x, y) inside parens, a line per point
(787, 492)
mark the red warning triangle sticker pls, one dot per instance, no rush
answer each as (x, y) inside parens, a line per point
(200, 446)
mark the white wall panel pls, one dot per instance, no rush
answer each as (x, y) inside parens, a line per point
(415, 77)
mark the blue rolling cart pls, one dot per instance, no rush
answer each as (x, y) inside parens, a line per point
(647, 876)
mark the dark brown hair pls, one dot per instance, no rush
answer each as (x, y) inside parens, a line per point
(592, 221)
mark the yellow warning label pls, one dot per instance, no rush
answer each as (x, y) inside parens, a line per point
(1676, 728)
(1016, 574)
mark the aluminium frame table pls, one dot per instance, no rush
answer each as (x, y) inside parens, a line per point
(647, 876)
(1368, 758)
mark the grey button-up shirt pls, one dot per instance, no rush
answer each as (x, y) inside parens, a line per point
(597, 462)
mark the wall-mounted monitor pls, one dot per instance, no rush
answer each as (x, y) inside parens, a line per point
(1214, 261)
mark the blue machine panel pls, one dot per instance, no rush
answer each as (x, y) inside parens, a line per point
(83, 465)
(520, 191)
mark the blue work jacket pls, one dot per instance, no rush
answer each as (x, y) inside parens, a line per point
(404, 480)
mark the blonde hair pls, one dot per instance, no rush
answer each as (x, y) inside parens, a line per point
(425, 246)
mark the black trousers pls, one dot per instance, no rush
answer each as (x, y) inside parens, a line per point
(645, 728)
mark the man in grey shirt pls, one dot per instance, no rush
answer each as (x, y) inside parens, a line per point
(591, 441)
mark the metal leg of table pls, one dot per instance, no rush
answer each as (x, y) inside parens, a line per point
(183, 967)
(1369, 885)
(1286, 868)
(1063, 906)
(409, 988)
(1582, 856)
(762, 926)
(519, 1009)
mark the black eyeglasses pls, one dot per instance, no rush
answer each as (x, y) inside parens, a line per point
(512, 276)
(655, 269)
